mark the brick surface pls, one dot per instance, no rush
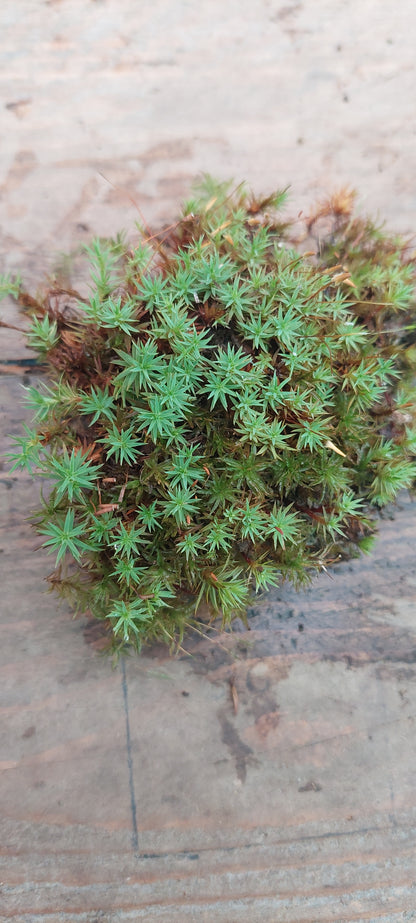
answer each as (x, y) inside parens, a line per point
(268, 775)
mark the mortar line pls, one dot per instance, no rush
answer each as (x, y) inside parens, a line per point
(133, 806)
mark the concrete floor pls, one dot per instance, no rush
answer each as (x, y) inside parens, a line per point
(268, 776)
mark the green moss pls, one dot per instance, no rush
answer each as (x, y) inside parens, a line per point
(223, 413)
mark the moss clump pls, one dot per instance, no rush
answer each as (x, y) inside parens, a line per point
(223, 412)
